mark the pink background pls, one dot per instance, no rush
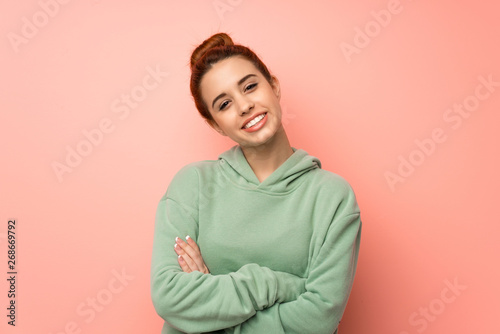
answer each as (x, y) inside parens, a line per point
(361, 112)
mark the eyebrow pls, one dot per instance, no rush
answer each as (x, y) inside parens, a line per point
(239, 83)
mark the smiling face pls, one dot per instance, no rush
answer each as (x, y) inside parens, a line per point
(244, 106)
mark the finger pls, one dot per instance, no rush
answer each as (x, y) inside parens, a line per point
(199, 259)
(193, 252)
(192, 243)
(187, 254)
(181, 261)
(187, 261)
(179, 250)
(185, 268)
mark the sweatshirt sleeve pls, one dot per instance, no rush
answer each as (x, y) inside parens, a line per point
(195, 302)
(320, 308)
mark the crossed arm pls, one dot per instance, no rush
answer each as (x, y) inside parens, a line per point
(320, 307)
(254, 299)
(195, 302)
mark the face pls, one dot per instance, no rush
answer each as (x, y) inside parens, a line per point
(243, 104)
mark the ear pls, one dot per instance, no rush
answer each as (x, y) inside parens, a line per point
(275, 84)
(215, 126)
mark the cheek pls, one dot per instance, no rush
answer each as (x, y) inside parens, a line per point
(228, 121)
(267, 99)
(276, 104)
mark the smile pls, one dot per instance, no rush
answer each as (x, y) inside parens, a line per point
(254, 121)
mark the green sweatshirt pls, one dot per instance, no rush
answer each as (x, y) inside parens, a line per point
(282, 253)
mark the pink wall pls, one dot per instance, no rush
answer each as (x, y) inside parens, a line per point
(392, 95)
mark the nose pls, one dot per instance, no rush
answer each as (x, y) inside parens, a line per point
(245, 105)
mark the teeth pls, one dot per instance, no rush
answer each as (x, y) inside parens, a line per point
(254, 121)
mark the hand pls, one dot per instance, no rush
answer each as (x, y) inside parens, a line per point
(189, 256)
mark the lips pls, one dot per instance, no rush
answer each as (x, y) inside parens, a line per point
(251, 119)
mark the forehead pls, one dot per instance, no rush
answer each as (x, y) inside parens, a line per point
(225, 74)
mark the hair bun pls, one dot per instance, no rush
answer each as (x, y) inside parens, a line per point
(217, 40)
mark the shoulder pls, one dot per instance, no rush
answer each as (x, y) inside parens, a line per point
(186, 179)
(323, 179)
(195, 169)
(335, 189)
(329, 181)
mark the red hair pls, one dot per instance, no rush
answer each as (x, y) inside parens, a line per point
(214, 49)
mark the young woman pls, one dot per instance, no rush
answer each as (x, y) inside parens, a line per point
(261, 240)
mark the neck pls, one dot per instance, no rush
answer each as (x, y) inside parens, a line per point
(266, 158)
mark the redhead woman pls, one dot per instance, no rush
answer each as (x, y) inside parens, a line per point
(261, 240)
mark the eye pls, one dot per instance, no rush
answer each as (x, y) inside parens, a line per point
(223, 105)
(251, 86)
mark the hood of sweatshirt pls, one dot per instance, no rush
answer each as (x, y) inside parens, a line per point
(285, 178)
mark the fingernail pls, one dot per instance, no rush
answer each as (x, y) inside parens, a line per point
(188, 237)
(176, 239)
(176, 245)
